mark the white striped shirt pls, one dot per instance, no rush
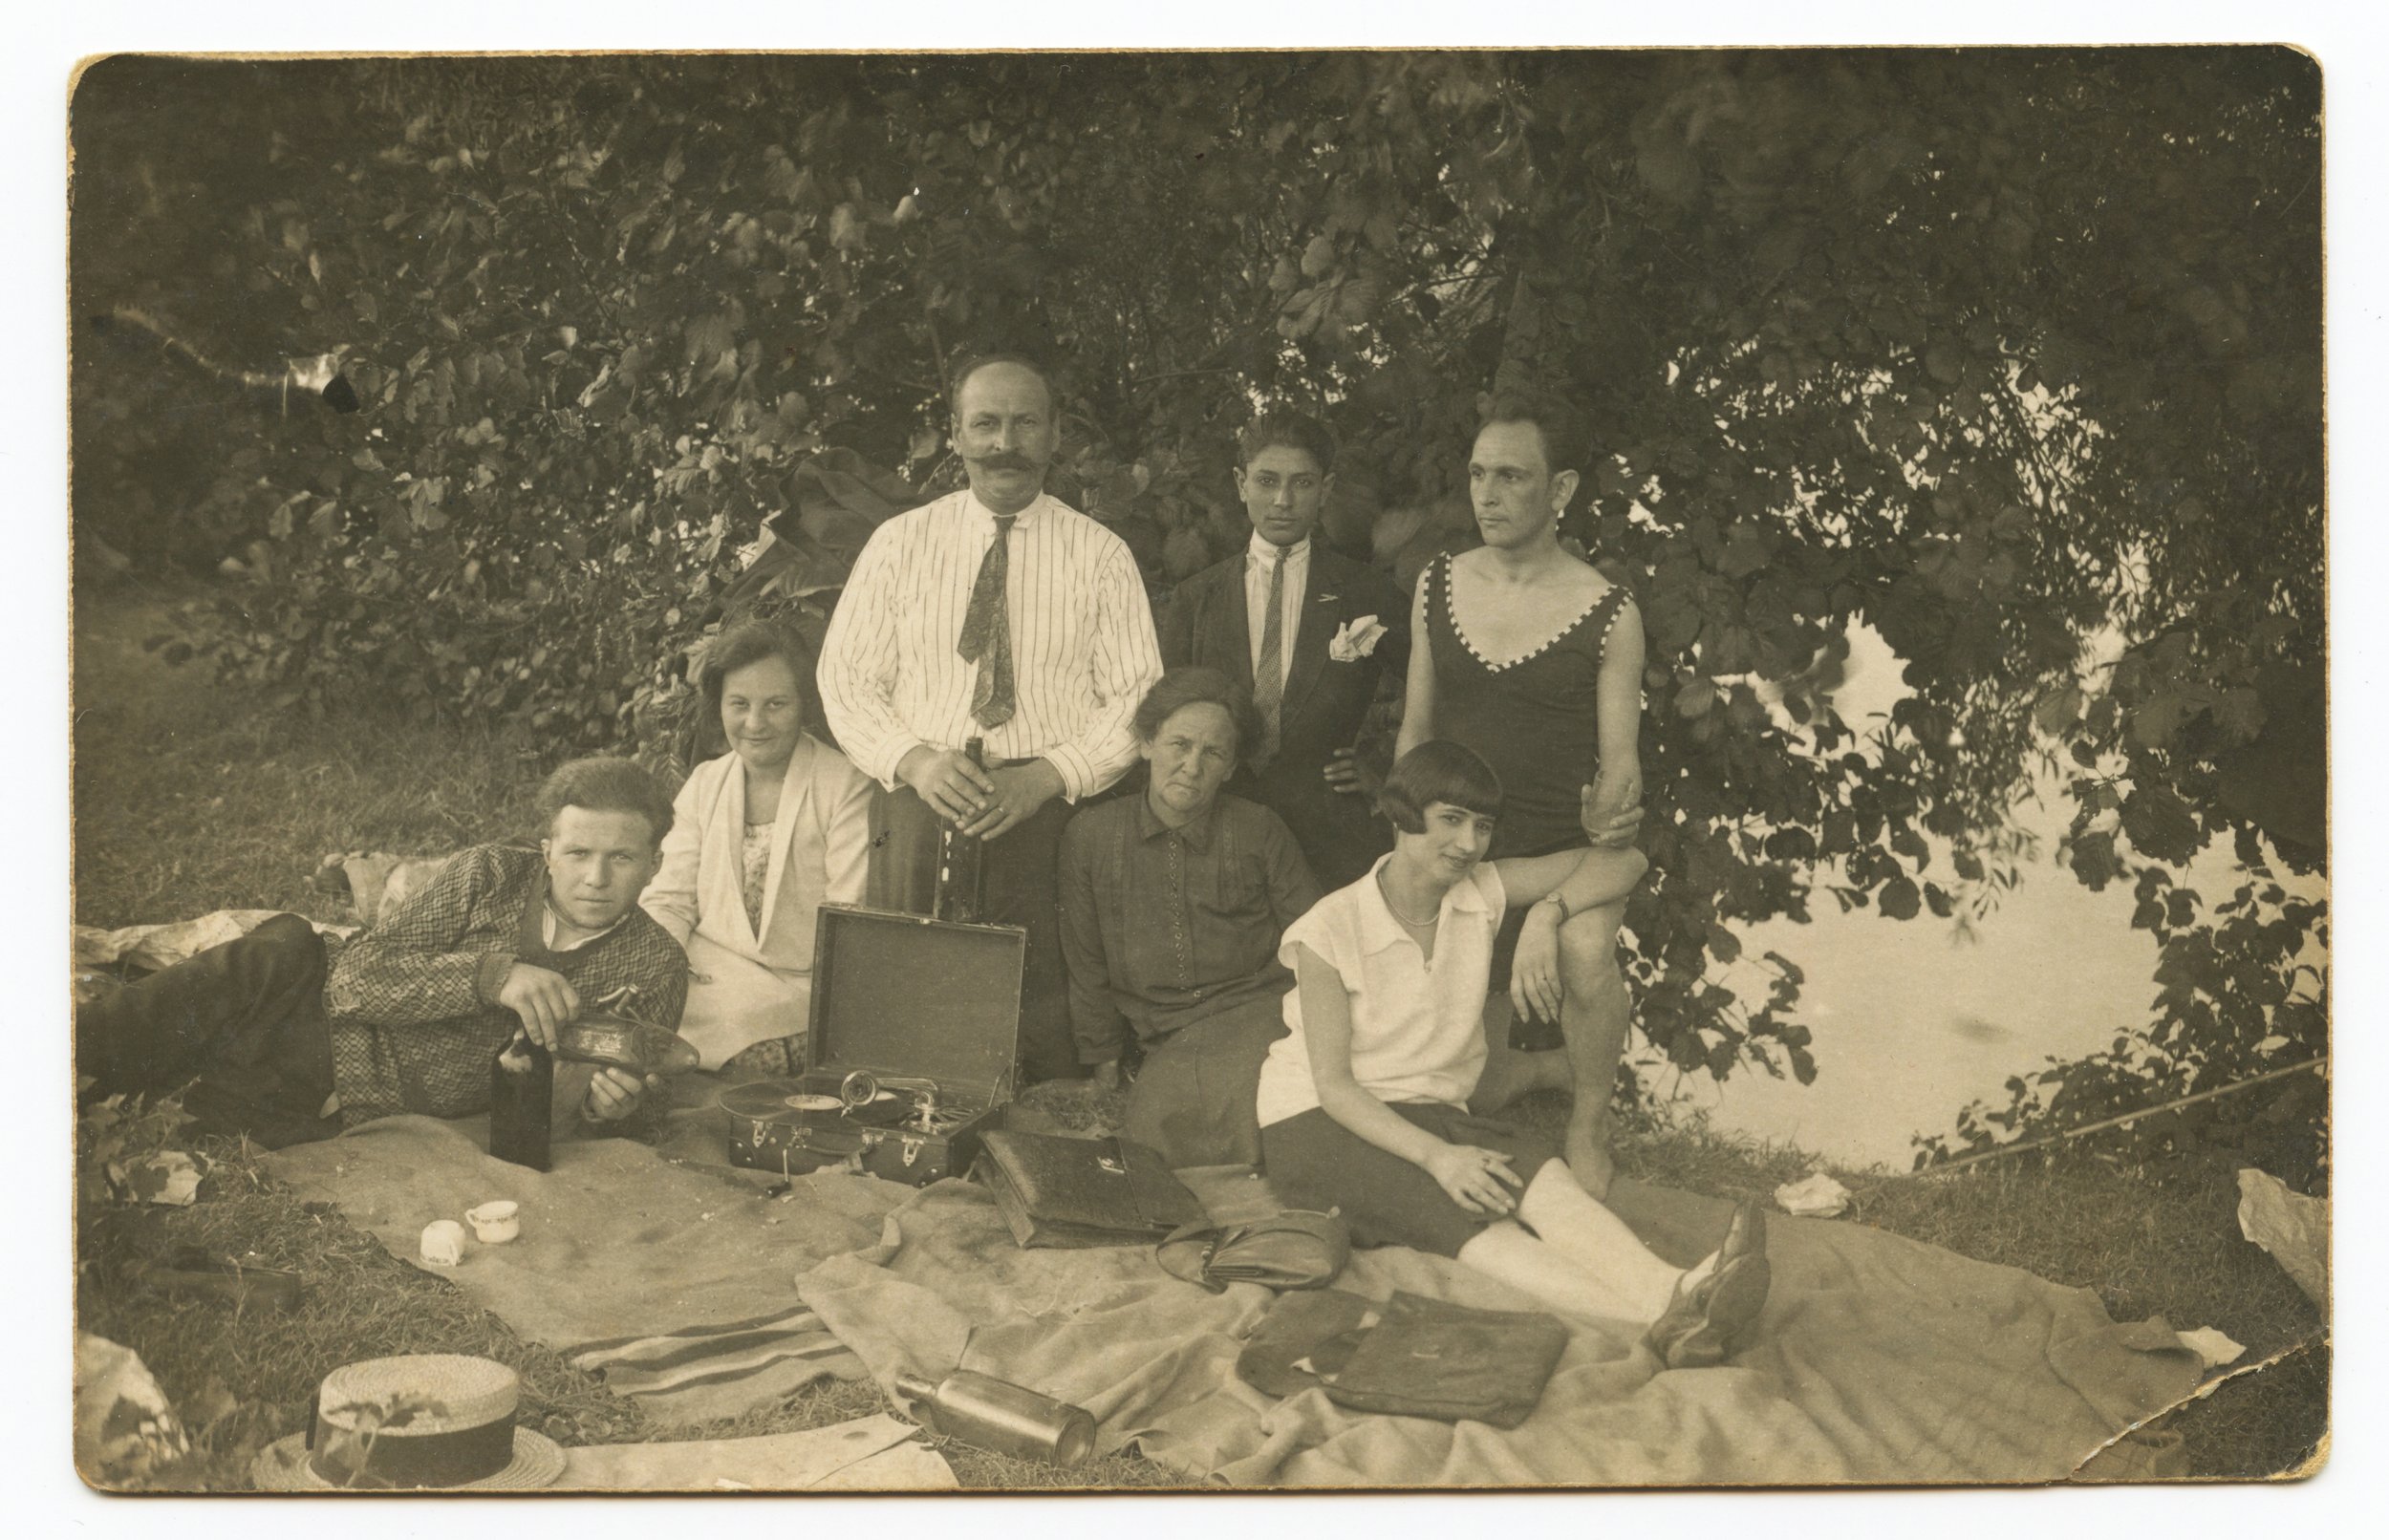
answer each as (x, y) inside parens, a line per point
(1083, 647)
(1259, 558)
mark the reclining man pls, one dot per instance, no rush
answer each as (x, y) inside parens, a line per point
(290, 1037)
(1173, 902)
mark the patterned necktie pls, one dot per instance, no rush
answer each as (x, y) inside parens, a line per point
(1269, 672)
(987, 632)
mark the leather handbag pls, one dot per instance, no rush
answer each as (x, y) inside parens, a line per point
(1297, 1249)
(1428, 1358)
(1418, 1357)
(1057, 1191)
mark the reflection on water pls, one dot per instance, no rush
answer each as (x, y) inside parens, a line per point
(1910, 1024)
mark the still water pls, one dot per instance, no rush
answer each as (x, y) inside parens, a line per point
(1911, 1022)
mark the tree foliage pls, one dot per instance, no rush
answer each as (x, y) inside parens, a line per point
(2013, 356)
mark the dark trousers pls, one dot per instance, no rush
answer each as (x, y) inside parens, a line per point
(244, 1021)
(1020, 889)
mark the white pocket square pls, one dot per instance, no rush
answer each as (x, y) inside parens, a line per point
(1356, 640)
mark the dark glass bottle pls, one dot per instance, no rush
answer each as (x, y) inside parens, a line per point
(962, 881)
(521, 1097)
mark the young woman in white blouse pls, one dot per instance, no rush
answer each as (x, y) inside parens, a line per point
(761, 838)
(1364, 1105)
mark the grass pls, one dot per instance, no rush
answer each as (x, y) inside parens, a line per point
(190, 798)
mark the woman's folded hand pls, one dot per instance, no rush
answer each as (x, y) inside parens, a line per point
(1477, 1180)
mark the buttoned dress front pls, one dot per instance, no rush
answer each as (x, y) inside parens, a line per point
(1172, 934)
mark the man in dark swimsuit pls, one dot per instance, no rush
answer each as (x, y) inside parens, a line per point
(1532, 658)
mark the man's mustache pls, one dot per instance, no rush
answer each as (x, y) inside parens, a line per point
(1005, 460)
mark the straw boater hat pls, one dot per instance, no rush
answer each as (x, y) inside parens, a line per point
(424, 1422)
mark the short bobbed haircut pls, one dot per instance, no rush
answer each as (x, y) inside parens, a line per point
(752, 641)
(1286, 430)
(1195, 685)
(1567, 443)
(972, 365)
(604, 785)
(1438, 770)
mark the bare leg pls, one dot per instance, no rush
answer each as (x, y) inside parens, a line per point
(1510, 1073)
(1593, 1018)
(1575, 1255)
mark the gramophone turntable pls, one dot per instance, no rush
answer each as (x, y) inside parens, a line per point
(914, 1030)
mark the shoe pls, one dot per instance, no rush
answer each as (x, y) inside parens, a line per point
(1708, 1323)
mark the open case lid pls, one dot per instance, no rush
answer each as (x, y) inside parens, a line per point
(905, 994)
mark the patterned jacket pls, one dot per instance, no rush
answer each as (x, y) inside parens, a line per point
(414, 1019)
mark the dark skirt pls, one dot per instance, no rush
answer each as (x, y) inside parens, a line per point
(1315, 1161)
(1192, 1099)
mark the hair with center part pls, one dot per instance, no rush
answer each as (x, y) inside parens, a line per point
(963, 371)
(1286, 430)
(603, 784)
(1438, 770)
(752, 641)
(1195, 685)
(1567, 443)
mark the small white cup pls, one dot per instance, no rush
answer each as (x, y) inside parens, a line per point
(497, 1221)
(443, 1242)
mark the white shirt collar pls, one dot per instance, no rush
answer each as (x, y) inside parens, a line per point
(1036, 504)
(1379, 929)
(547, 930)
(1264, 552)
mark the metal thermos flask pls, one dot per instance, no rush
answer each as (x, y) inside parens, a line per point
(521, 1097)
(995, 1414)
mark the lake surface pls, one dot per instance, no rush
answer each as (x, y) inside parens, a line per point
(1910, 1023)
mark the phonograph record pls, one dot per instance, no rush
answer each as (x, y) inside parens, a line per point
(915, 1028)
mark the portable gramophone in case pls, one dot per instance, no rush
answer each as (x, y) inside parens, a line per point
(916, 1024)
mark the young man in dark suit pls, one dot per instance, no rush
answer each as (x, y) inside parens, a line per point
(1313, 660)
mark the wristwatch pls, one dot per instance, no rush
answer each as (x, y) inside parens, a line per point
(1554, 899)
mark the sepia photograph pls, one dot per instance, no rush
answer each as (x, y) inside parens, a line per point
(1382, 769)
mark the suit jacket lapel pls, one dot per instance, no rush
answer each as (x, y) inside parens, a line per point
(1237, 620)
(1317, 623)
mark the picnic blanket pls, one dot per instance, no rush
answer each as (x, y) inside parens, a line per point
(673, 1283)
(870, 1454)
(1882, 1359)
(702, 1295)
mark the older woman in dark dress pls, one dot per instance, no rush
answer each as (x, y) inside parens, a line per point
(1173, 902)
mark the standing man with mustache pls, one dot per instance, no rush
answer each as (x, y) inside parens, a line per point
(1532, 658)
(999, 614)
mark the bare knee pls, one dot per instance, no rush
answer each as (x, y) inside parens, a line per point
(1589, 949)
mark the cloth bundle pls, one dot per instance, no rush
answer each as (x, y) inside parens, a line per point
(1297, 1249)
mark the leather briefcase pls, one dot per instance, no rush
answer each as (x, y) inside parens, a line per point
(1058, 1192)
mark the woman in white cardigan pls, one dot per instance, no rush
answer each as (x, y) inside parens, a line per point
(761, 837)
